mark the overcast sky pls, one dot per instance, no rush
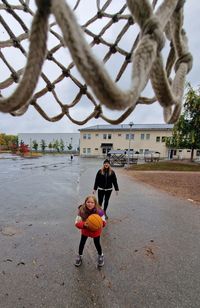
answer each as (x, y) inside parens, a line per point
(32, 121)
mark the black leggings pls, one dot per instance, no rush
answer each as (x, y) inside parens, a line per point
(96, 243)
(104, 194)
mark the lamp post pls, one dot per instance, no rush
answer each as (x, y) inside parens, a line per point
(31, 146)
(129, 142)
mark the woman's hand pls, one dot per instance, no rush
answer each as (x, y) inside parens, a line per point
(94, 192)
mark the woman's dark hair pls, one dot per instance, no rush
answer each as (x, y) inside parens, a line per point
(106, 161)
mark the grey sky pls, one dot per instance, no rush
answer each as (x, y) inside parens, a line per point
(32, 121)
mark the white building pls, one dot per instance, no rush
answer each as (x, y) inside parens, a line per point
(67, 139)
(98, 140)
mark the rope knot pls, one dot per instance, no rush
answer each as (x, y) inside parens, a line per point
(186, 58)
(128, 57)
(15, 77)
(83, 89)
(97, 39)
(43, 6)
(50, 87)
(98, 111)
(65, 109)
(152, 27)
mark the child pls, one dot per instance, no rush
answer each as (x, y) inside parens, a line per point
(89, 207)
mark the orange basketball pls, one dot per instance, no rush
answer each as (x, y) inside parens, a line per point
(94, 222)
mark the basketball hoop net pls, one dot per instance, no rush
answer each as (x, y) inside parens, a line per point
(59, 45)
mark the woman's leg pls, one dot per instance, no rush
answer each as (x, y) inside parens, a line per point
(106, 200)
(100, 196)
(82, 244)
(98, 245)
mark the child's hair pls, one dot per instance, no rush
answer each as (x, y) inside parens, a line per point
(94, 199)
(84, 211)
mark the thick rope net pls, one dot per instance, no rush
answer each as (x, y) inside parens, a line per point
(72, 57)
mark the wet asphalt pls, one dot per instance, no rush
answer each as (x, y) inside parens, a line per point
(150, 243)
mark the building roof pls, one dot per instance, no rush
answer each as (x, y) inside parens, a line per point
(125, 127)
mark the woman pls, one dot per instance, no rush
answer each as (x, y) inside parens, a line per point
(104, 182)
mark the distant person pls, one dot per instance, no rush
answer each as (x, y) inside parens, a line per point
(104, 182)
(71, 157)
(89, 207)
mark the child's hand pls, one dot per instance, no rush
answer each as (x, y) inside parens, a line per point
(85, 225)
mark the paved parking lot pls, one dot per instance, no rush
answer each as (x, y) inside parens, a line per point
(151, 242)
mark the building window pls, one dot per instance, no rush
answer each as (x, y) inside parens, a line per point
(141, 151)
(97, 135)
(88, 151)
(158, 139)
(147, 136)
(180, 151)
(174, 152)
(188, 151)
(104, 150)
(146, 151)
(198, 153)
(86, 136)
(119, 135)
(163, 138)
(131, 136)
(84, 150)
(104, 136)
(96, 149)
(109, 136)
(142, 136)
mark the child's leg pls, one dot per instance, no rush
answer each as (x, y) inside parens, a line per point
(100, 259)
(98, 245)
(82, 244)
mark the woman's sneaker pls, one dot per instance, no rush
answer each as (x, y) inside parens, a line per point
(78, 261)
(100, 260)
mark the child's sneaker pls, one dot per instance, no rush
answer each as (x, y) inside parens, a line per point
(78, 261)
(100, 260)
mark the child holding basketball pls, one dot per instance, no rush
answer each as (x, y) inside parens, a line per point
(90, 226)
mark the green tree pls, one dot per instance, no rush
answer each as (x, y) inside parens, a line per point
(56, 145)
(8, 141)
(62, 146)
(50, 146)
(35, 145)
(69, 147)
(43, 145)
(186, 132)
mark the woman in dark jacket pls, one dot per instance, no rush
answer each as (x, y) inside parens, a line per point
(104, 182)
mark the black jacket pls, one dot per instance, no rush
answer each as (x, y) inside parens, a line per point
(106, 180)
